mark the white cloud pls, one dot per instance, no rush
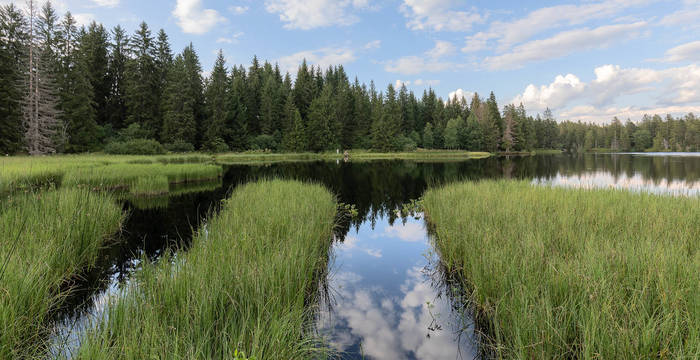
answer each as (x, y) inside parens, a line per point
(430, 61)
(310, 14)
(507, 34)
(685, 52)
(673, 90)
(460, 93)
(421, 82)
(233, 39)
(84, 19)
(563, 44)
(192, 19)
(409, 232)
(239, 10)
(106, 3)
(438, 15)
(323, 57)
(685, 18)
(376, 44)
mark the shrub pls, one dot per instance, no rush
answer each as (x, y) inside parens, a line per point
(264, 142)
(180, 146)
(135, 147)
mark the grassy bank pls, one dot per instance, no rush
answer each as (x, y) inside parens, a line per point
(244, 285)
(18, 173)
(45, 240)
(355, 155)
(565, 273)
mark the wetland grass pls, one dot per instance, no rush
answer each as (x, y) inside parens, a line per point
(46, 239)
(245, 284)
(355, 155)
(571, 273)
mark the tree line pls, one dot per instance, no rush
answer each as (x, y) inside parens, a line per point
(70, 89)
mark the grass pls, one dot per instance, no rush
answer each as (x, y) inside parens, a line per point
(245, 285)
(140, 179)
(46, 239)
(21, 173)
(571, 273)
(253, 157)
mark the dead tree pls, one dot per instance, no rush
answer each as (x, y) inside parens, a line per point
(40, 110)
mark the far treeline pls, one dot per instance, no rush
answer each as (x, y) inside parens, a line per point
(70, 89)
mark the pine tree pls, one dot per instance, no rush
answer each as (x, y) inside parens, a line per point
(116, 99)
(94, 47)
(195, 90)
(13, 41)
(162, 62)
(237, 117)
(269, 98)
(428, 136)
(142, 83)
(320, 115)
(216, 98)
(179, 123)
(451, 135)
(40, 106)
(473, 139)
(303, 90)
(296, 138)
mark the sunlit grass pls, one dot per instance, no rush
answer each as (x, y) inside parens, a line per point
(567, 273)
(46, 239)
(245, 285)
(355, 155)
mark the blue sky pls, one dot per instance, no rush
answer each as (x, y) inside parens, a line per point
(587, 60)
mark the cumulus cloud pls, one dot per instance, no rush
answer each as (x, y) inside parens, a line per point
(409, 232)
(193, 19)
(430, 61)
(460, 93)
(239, 10)
(106, 3)
(376, 44)
(562, 44)
(323, 57)
(672, 90)
(438, 15)
(84, 19)
(310, 14)
(508, 33)
(233, 39)
(685, 52)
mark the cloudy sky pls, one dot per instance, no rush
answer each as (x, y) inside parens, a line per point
(588, 60)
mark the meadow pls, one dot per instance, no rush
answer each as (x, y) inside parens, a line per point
(245, 286)
(46, 240)
(105, 172)
(355, 155)
(571, 273)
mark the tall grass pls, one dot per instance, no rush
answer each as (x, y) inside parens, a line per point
(258, 157)
(243, 286)
(567, 273)
(45, 240)
(18, 173)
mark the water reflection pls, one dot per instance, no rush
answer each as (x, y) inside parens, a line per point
(605, 180)
(385, 303)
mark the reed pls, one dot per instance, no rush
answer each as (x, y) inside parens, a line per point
(571, 273)
(46, 239)
(244, 286)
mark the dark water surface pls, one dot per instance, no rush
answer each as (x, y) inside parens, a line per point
(386, 296)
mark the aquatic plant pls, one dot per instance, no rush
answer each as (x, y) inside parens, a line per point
(245, 286)
(572, 273)
(46, 239)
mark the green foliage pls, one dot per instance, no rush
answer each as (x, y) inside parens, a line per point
(642, 139)
(179, 146)
(135, 147)
(46, 239)
(189, 306)
(428, 140)
(572, 273)
(264, 142)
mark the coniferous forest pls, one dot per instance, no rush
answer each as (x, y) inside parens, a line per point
(71, 89)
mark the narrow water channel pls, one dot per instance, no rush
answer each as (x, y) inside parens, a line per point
(386, 296)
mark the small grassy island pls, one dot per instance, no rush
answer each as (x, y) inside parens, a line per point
(556, 273)
(243, 287)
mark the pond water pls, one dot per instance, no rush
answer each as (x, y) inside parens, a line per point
(386, 295)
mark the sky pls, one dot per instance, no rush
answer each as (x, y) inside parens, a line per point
(588, 60)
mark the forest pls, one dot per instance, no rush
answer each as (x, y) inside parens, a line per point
(66, 88)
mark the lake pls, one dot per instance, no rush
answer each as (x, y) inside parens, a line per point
(386, 296)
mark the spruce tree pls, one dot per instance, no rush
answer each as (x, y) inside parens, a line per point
(142, 83)
(116, 109)
(216, 99)
(13, 47)
(428, 140)
(236, 134)
(321, 113)
(94, 48)
(195, 90)
(179, 123)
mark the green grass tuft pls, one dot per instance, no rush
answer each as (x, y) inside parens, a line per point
(244, 286)
(45, 240)
(567, 273)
